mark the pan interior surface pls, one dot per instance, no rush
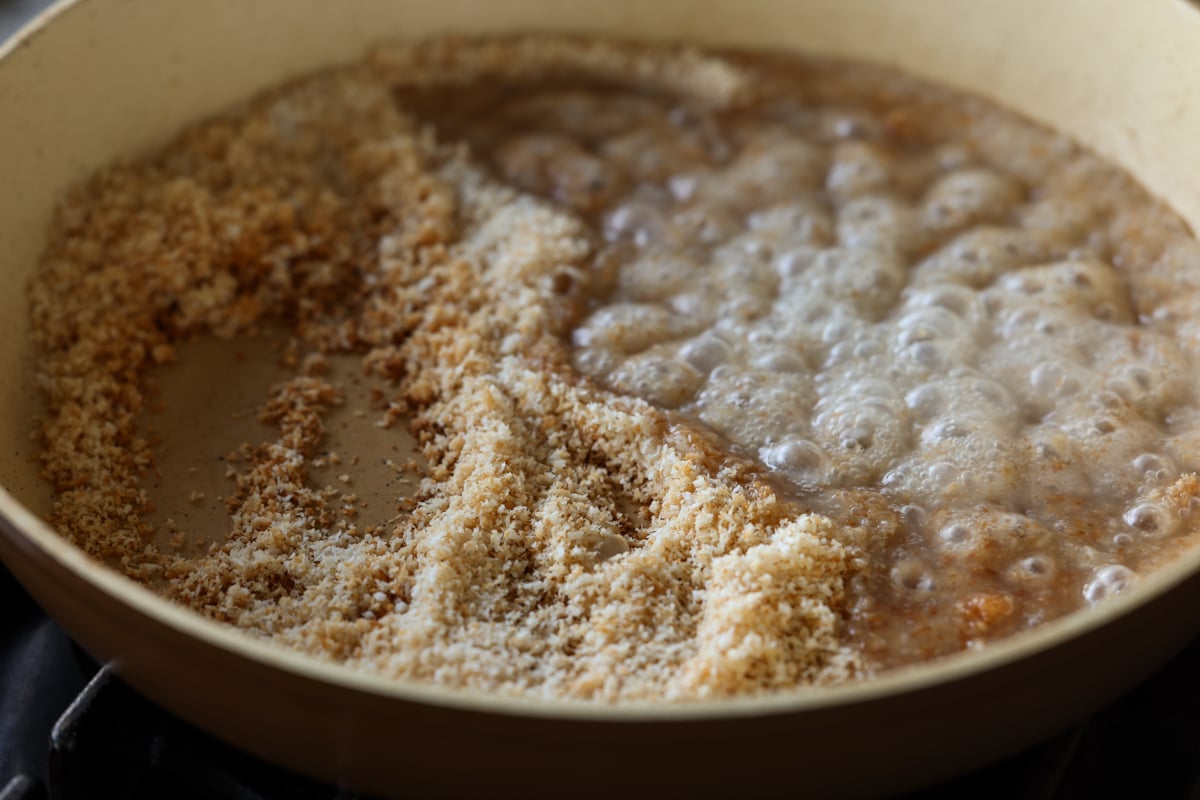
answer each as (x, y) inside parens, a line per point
(71, 113)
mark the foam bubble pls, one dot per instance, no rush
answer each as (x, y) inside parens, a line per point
(926, 401)
(968, 196)
(914, 516)
(1148, 518)
(1032, 570)
(595, 362)
(706, 224)
(755, 407)
(654, 277)
(869, 281)
(657, 378)
(1057, 218)
(1151, 376)
(947, 428)
(911, 574)
(1108, 582)
(1052, 379)
(873, 389)
(955, 533)
(975, 257)
(705, 353)
(770, 168)
(631, 327)
(880, 223)
(682, 187)
(928, 324)
(779, 360)
(933, 340)
(803, 461)
(957, 300)
(873, 435)
(803, 222)
(857, 168)
(1087, 287)
(942, 474)
(792, 262)
(841, 327)
(1155, 467)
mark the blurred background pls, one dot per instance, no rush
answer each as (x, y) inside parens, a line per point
(13, 14)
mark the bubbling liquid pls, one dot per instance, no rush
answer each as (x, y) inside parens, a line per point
(952, 331)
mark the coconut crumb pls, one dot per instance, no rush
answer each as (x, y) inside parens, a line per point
(566, 541)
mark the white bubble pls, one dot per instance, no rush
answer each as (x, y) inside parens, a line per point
(1036, 566)
(896, 480)
(1108, 581)
(637, 219)
(793, 262)
(630, 327)
(755, 407)
(857, 438)
(942, 474)
(955, 533)
(929, 354)
(653, 278)
(1153, 466)
(705, 353)
(857, 168)
(968, 196)
(851, 470)
(914, 516)
(1148, 518)
(874, 389)
(925, 401)
(682, 188)
(866, 348)
(865, 280)
(878, 222)
(840, 328)
(955, 299)
(781, 361)
(802, 460)
(1106, 400)
(706, 224)
(1034, 570)
(657, 378)
(976, 256)
(927, 324)
(802, 222)
(947, 429)
(1051, 379)
(911, 574)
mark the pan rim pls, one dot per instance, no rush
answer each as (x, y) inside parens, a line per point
(25, 528)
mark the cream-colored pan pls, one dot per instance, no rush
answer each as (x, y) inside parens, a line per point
(99, 79)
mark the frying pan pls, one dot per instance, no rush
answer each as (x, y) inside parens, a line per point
(100, 79)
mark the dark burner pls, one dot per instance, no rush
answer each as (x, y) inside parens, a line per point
(64, 736)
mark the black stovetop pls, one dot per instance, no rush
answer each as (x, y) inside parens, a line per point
(70, 729)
